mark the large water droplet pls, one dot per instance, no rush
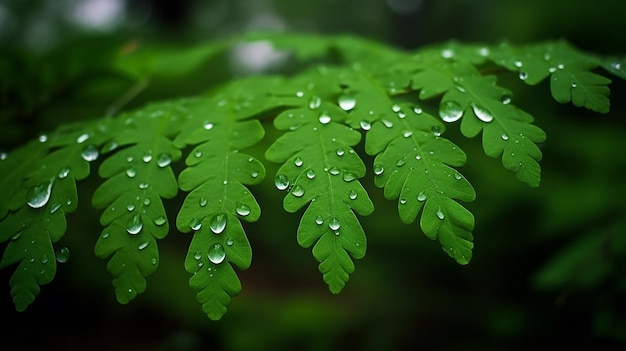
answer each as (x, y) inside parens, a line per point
(63, 173)
(195, 224)
(482, 113)
(159, 221)
(164, 160)
(523, 75)
(216, 253)
(378, 169)
(334, 224)
(147, 157)
(421, 196)
(450, 111)
(298, 161)
(349, 176)
(90, 153)
(340, 152)
(281, 182)
(334, 171)
(504, 136)
(315, 102)
(243, 210)
(297, 191)
(39, 195)
(324, 118)
(135, 224)
(310, 174)
(387, 123)
(352, 194)
(131, 172)
(63, 254)
(218, 223)
(365, 125)
(347, 102)
(319, 220)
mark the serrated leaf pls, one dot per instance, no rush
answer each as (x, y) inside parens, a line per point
(139, 176)
(216, 177)
(321, 169)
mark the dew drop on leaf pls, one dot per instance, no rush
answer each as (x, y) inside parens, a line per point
(450, 111)
(439, 214)
(310, 174)
(378, 169)
(207, 125)
(164, 160)
(421, 197)
(349, 176)
(297, 191)
(340, 152)
(39, 195)
(505, 99)
(436, 130)
(195, 224)
(130, 207)
(135, 224)
(298, 161)
(352, 194)
(523, 75)
(143, 245)
(334, 171)
(55, 207)
(131, 172)
(44, 259)
(147, 157)
(387, 123)
(43, 138)
(347, 102)
(407, 133)
(457, 176)
(281, 182)
(365, 125)
(334, 224)
(82, 138)
(482, 113)
(89, 153)
(197, 256)
(504, 136)
(143, 185)
(319, 220)
(203, 201)
(216, 253)
(159, 221)
(417, 110)
(243, 210)
(315, 102)
(218, 223)
(62, 254)
(324, 118)
(63, 173)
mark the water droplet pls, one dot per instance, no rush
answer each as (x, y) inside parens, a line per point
(387, 123)
(417, 110)
(298, 161)
(297, 191)
(457, 176)
(218, 223)
(39, 195)
(447, 53)
(164, 160)
(334, 171)
(242, 210)
(439, 214)
(396, 108)
(436, 130)
(63, 173)
(129, 159)
(349, 176)
(421, 197)
(281, 182)
(310, 174)
(44, 259)
(403, 201)
(482, 113)
(505, 99)
(365, 125)
(81, 138)
(347, 102)
(319, 220)
(147, 157)
(197, 256)
(143, 185)
(401, 162)
(324, 118)
(3, 156)
(418, 157)
(504, 137)
(340, 152)
(105, 235)
(153, 261)
(299, 94)
(203, 201)
(159, 221)
(143, 245)
(55, 207)
(147, 201)
(90, 153)
(616, 66)
(484, 51)
(450, 111)
(352, 194)
(378, 169)
(43, 138)
(560, 66)
(574, 85)
(518, 64)
(130, 207)
(334, 224)
(207, 125)
(216, 253)
(195, 224)
(197, 154)
(131, 172)
(523, 75)
(407, 133)
(135, 224)
(315, 102)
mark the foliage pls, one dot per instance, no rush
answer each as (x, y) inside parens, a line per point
(343, 88)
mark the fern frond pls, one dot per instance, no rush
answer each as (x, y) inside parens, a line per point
(45, 191)
(138, 177)
(216, 177)
(320, 168)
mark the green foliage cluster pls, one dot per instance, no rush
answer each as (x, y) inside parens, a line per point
(344, 89)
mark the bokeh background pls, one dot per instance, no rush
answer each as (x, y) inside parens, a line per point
(549, 267)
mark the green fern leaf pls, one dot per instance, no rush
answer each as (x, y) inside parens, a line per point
(320, 168)
(138, 176)
(36, 219)
(570, 71)
(218, 199)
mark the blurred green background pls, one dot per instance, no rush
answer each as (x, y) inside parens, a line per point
(549, 266)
